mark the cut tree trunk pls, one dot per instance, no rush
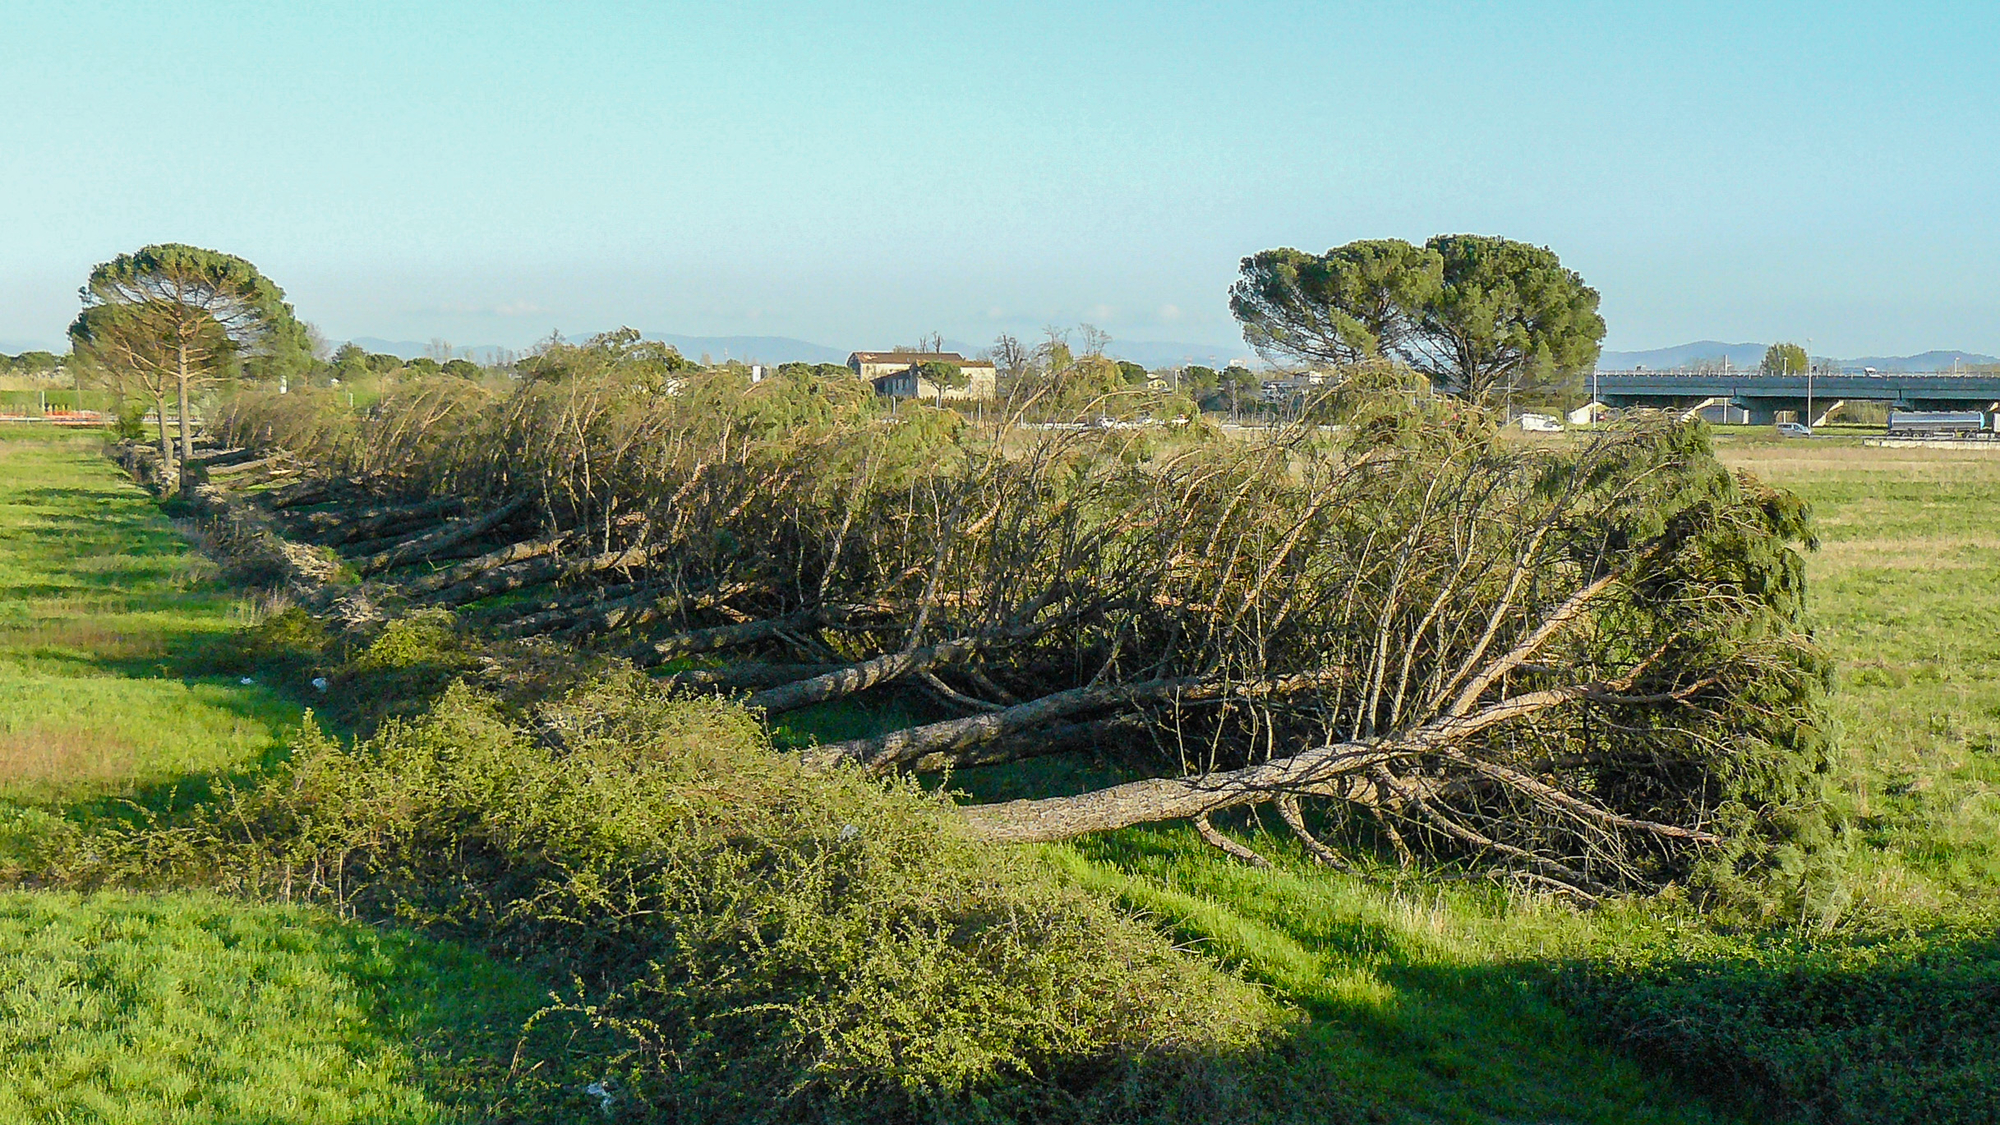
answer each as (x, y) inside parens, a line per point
(1170, 798)
(219, 458)
(492, 560)
(237, 468)
(569, 601)
(863, 675)
(661, 650)
(1038, 743)
(747, 675)
(885, 752)
(345, 526)
(498, 580)
(444, 538)
(1177, 798)
(567, 616)
(291, 496)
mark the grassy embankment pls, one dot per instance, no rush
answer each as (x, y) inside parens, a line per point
(183, 1007)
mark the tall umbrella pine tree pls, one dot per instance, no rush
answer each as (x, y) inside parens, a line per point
(170, 318)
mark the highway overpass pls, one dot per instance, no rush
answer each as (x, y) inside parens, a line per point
(1761, 397)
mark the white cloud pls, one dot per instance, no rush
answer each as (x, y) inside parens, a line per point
(1171, 313)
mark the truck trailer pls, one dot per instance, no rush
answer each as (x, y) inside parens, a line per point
(1937, 423)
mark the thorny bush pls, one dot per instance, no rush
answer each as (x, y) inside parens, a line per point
(766, 943)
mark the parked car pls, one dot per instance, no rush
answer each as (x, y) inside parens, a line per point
(1794, 429)
(1540, 424)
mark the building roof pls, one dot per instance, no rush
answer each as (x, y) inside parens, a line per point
(913, 358)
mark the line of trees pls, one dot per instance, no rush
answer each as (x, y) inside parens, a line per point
(34, 364)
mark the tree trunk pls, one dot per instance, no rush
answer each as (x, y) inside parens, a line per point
(747, 675)
(885, 752)
(1178, 798)
(1038, 743)
(862, 676)
(498, 580)
(334, 529)
(575, 601)
(657, 652)
(166, 443)
(292, 496)
(598, 613)
(187, 430)
(492, 560)
(450, 535)
(1171, 798)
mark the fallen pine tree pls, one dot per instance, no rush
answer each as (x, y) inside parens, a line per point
(1587, 665)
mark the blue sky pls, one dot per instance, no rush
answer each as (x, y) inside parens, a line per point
(857, 174)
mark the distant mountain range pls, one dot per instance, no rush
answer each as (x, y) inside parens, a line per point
(410, 349)
(1749, 355)
(785, 349)
(1167, 353)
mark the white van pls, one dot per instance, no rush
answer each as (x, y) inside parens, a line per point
(1540, 424)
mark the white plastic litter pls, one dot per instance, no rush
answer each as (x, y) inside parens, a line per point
(319, 683)
(848, 832)
(246, 681)
(606, 1097)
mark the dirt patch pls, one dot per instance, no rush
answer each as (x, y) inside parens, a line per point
(48, 754)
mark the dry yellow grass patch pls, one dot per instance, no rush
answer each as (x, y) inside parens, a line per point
(1942, 552)
(1778, 463)
(52, 753)
(97, 636)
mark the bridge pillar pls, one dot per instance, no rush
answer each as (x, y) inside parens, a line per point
(1764, 411)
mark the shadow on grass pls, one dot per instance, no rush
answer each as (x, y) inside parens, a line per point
(1903, 1029)
(1764, 1027)
(1405, 1020)
(209, 665)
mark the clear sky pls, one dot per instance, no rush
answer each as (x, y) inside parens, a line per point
(857, 174)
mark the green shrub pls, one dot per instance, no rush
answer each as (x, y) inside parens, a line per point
(768, 944)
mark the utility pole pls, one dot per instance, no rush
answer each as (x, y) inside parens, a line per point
(1809, 383)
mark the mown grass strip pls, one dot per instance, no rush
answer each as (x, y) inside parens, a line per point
(120, 685)
(117, 675)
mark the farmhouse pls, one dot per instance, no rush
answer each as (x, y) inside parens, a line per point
(895, 373)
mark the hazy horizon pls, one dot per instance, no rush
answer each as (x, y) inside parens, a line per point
(862, 174)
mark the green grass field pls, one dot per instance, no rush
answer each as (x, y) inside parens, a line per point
(1906, 591)
(184, 1007)
(189, 1008)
